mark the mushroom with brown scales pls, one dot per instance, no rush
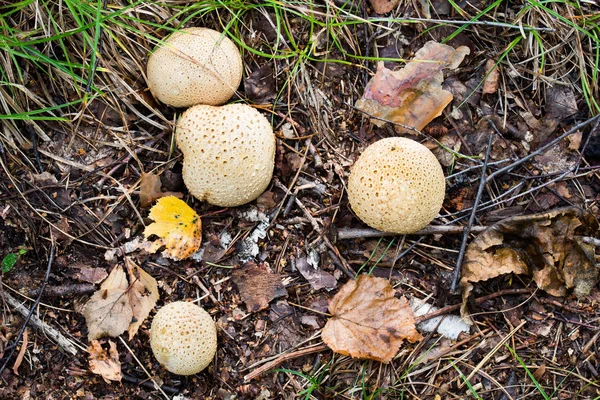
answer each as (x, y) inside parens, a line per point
(396, 185)
(195, 66)
(183, 337)
(229, 153)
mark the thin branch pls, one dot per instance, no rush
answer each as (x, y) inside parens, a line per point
(359, 233)
(467, 229)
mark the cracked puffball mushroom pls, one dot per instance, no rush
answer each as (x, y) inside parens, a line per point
(228, 153)
(183, 338)
(396, 185)
(194, 66)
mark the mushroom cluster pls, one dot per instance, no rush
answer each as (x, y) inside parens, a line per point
(183, 338)
(396, 185)
(229, 150)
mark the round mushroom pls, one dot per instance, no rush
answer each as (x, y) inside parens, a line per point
(229, 153)
(183, 338)
(195, 66)
(396, 185)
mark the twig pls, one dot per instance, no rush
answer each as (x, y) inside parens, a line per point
(467, 229)
(541, 149)
(458, 22)
(479, 300)
(282, 358)
(65, 290)
(358, 233)
(149, 385)
(37, 323)
(31, 310)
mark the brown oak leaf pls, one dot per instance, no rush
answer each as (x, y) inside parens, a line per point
(121, 304)
(547, 246)
(368, 321)
(105, 363)
(412, 96)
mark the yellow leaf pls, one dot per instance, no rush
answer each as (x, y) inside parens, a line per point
(178, 227)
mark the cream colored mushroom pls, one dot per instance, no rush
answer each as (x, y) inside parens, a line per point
(195, 66)
(396, 185)
(183, 338)
(229, 153)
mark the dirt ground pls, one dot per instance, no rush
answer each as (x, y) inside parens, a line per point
(70, 206)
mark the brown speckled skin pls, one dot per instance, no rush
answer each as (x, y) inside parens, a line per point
(397, 185)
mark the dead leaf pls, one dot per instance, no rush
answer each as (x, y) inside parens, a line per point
(150, 190)
(384, 6)
(412, 96)
(260, 85)
(317, 278)
(368, 321)
(178, 227)
(257, 286)
(490, 84)
(86, 273)
(546, 246)
(108, 312)
(120, 304)
(143, 295)
(21, 354)
(105, 363)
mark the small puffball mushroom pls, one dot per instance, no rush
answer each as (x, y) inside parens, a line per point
(396, 185)
(195, 66)
(183, 338)
(229, 153)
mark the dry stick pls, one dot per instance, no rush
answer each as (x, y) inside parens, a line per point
(467, 229)
(358, 233)
(282, 358)
(479, 300)
(52, 333)
(543, 148)
(310, 350)
(458, 22)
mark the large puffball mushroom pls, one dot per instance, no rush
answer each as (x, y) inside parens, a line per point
(183, 338)
(228, 153)
(396, 185)
(195, 66)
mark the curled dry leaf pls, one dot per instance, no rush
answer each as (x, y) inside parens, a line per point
(368, 321)
(105, 363)
(120, 304)
(178, 227)
(490, 84)
(413, 95)
(547, 246)
(151, 189)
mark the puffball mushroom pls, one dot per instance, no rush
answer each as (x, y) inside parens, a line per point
(183, 338)
(195, 66)
(229, 153)
(396, 185)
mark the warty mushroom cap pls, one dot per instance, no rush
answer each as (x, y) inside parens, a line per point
(229, 153)
(195, 66)
(183, 338)
(396, 185)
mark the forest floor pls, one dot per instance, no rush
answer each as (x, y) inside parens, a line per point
(80, 128)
